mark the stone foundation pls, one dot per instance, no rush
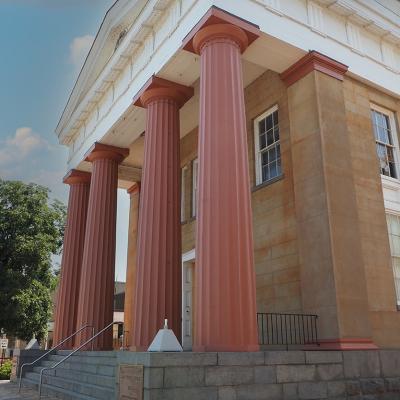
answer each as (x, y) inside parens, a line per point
(269, 375)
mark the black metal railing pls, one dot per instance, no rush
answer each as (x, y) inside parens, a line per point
(287, 329)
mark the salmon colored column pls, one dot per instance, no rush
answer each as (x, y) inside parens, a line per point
(134, 192)
(158, 289)
(96, 295)
(74, 238)
(225, 293)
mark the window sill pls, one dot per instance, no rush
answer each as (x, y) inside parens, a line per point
(267, 183)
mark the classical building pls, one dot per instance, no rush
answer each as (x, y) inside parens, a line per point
(258, 140)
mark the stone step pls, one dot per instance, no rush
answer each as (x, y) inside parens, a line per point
(107, 370)
(80, 376)
(53, 391)
(88, 353)
(84, 359)
(86, 389)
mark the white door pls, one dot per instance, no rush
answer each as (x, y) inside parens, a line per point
(187, 304)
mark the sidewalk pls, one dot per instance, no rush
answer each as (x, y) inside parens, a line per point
(9, 391)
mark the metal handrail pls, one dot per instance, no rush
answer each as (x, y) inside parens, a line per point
(72, 353)
(48, 352)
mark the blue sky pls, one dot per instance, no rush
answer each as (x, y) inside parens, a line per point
(43, 46)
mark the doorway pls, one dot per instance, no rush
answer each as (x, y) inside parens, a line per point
(188, 264)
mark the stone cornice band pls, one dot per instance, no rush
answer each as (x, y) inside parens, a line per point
(158, 88)
(313, 61)
(215, 16)
(223, 32)
(75, 176)
(104, 151)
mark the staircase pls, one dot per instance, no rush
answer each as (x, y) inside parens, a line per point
(87, 375)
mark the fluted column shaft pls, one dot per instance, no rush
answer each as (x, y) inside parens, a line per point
(71, 262)
(225, 279)
(96, 295)
(158, 285)
(129, 319)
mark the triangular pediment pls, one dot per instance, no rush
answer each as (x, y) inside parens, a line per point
(117, 21)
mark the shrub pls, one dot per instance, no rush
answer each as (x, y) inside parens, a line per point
(5, 370)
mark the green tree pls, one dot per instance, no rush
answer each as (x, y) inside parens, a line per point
(31, 231)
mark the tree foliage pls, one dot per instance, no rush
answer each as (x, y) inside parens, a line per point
(31, 231)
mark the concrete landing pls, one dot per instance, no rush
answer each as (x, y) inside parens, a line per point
(9, 391)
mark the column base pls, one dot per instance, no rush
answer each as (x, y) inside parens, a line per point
(227, 348)
(344, 344)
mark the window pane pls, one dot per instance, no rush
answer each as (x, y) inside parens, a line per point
(386, 122)
(261, 126)
(389, 135)
(265, 176)
(380, 120)
(376, 134)
(273, 170)
(383, 135)
(275, 117)
(272, 154)
(269, 122)
(263, 141)
(276, 133)
(392, 170)
(279, 169)
(264, 158)
(270, 137)
(382, 156)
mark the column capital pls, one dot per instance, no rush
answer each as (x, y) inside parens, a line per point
(134, 189)
(313, 61)
(105, 151)
(159, 88)
(211, 26)
(75, 176)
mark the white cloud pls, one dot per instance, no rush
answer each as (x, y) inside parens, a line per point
(79, 48)
(17, 147)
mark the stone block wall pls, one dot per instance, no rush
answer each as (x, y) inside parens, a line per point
(276, 230)
(384, 317)
(278, 375)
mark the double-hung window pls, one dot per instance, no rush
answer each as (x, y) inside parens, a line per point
(267, 146)
(386, 141)
(393, 222)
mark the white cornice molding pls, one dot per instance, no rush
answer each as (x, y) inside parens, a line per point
(135, 47)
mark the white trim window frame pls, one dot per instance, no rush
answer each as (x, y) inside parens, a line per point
(393, 222)
(387, 143)
(195, 168)
(268, 164)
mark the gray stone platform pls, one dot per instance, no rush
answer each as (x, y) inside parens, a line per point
(278, 375)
